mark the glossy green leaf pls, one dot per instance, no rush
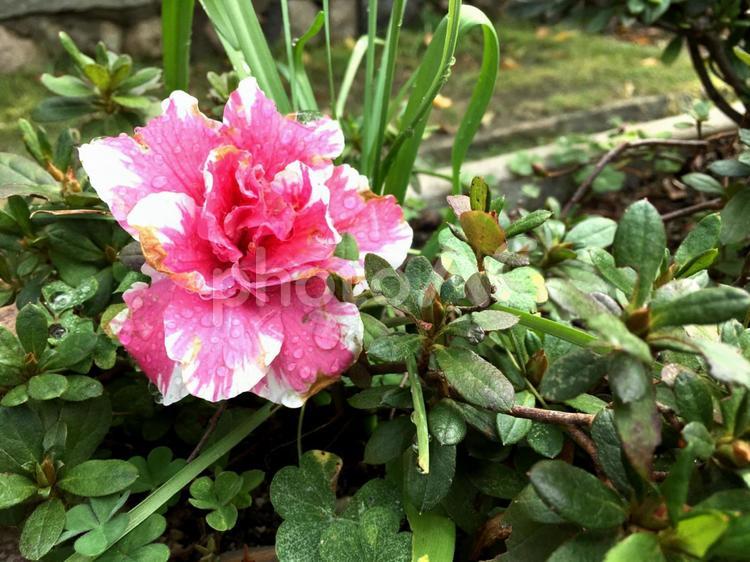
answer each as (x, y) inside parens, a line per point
(31, 328)
(573, 374)
(42, 529)
(577, 496)
(389, 440)
(477, 380)
(98, 478)
(639, 243)
(15, 489)
(705, 306)
(734, 226)
(638, 546)
(426, 491)
(446, 424)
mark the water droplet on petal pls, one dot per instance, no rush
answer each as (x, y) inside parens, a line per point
(298, 353)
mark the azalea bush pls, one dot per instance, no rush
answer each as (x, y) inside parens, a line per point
(224, 335)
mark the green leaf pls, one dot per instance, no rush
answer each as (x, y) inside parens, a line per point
(693, 398)
(615, 334)
(672, 51)
(307, 492)
(72, 349)
(446, 424)
(136, 545)
(31, 327)
(498, 480)
(725, 362)
(572, 299)
(593, 232)
(87, 424)
(609, 449)
(96, 541)
(621, 278)
(511, 428)
(628, 378)
(15, 489)
(589, 546)
(703, 237)
(528, 222)
(573, 374)
(639, 243)
(638, 546)
(66, 85)
(12, 358)
(42, 529)
(457, 257)
(426, 491)
(703, 183)
(434, 536)
(734, 226)
(577, 496)
(695, 535)
(522, 287)
(375, 537)
(389, 440)
(475, 379)
(133, 102)
(730, 168)
(395, 348)
(15, 396)
(21, 176)
(479, 195)
(47, 386)
(81, 388)
(705, 306)
(545, 439)
(98, 478)
(20, 439)
(158, 467)
(223, 518)
(639, 427)
(491, 320)
(347, 249)
(62, 109)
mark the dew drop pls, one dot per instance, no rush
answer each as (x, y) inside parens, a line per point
(61, 301)
(298, 353)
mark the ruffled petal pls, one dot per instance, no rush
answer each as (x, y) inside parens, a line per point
(224, 346)
(167, 226)
(165, 155)
(304, 248)
(322, 338)
(376, 223)
(140, 329)
(276, 140)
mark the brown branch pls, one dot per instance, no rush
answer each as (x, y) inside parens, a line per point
(685, 211)
(713, 94)
(728, 74)
(552, 416)
(587, 444)
(209, 430)
(615, 153)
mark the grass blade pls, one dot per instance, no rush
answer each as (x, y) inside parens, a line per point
(367, 116)
(305, 95)
(289, 57)
(355, 59)
(187, 474)
(375, 134)
(547, 326)
(176, 29)
(237, 23)
(420, 417)
(431, 76)
(329, 58)
(434, 535)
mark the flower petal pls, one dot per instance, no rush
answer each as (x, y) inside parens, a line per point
(165, 155)
(167, 226)
(140, 329)
(376, 223)
(276, 140)
(224, 346)
(322, 338)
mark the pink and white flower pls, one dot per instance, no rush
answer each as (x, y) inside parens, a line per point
(239, 221)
